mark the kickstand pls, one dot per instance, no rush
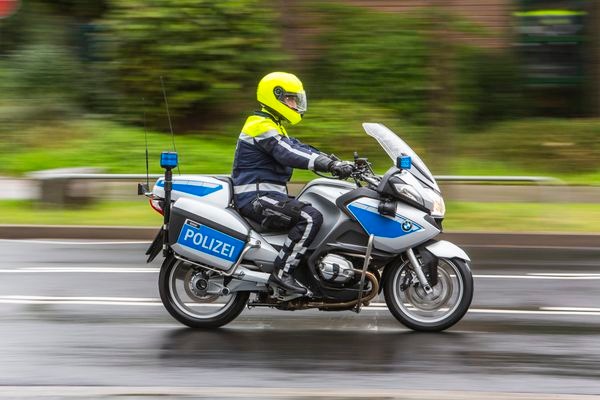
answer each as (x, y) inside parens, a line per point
(362, 276)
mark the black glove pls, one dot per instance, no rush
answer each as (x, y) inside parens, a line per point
(341, 169)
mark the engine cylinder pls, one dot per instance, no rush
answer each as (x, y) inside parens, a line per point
(335, 269)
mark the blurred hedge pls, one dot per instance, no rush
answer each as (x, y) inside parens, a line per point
(488, 88)
(335, 126)
(209, 52)
(404, 62)
(120, 148)
(554, 145)
(42, 79)
(374, 58)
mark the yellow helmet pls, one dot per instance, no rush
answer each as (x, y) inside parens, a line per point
(283, 94)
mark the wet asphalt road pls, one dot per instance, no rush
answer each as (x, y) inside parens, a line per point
(83, 320)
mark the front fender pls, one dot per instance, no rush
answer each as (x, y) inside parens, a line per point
(440, 249)
(445, 249)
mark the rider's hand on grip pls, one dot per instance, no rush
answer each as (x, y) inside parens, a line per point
(342, 169)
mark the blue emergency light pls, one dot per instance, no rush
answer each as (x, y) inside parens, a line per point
(168, 159)
(404, 162)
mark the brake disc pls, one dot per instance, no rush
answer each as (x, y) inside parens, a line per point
(435, 300)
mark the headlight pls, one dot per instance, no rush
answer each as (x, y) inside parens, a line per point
(409, 192)
(439, 207)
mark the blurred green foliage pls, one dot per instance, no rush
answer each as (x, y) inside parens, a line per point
(209, 53)
(553, 145)
(120, 148)
(488, 87)
(323, 128)
(371, 57)
(394, 60)
(461, 216)
(70, 69)
(40, 74)
(527, 147)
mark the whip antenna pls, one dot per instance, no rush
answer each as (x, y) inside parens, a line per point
(146, 140)
(162, 84)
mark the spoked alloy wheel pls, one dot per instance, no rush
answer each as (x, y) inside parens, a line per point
(439, 310)
(184, 293)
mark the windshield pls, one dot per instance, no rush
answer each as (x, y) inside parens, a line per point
(395, 147)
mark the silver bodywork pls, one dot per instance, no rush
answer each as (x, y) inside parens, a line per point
(210, 198)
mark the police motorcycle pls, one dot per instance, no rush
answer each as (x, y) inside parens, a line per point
(378, 235)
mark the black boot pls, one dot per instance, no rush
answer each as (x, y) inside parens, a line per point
(286, 281)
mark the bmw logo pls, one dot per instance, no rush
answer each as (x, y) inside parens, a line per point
(407, 226)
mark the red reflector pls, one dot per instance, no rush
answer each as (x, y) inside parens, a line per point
(155, 204)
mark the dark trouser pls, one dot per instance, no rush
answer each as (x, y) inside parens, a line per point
(280, 212)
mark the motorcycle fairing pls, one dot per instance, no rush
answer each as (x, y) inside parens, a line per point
(381, 225)
(398, 244)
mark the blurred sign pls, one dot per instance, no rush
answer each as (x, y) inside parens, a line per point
(8, 7)
(551, 45)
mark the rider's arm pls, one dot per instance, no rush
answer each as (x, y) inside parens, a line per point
(304, 146)
(289, 152)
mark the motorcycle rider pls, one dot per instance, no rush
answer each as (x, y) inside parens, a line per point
(265, 156)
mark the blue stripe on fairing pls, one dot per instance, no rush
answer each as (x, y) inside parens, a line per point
(195, 190)
(378, 225)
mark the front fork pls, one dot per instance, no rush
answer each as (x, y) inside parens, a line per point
(417, 267)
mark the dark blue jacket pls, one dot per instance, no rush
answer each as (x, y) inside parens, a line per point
(265, 157)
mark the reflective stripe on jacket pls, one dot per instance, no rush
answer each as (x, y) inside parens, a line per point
(265, 157)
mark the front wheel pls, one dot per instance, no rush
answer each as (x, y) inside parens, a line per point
(191, 295)
(439, 310)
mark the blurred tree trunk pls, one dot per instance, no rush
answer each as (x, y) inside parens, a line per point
(443, 99)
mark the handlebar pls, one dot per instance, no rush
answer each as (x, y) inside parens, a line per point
(362, 171)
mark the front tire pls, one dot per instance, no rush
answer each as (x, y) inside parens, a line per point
(433, 312)
(191, 308)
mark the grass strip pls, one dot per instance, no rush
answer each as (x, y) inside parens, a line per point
(460, 216)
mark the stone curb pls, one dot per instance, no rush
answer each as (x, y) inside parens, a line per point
(148, 233)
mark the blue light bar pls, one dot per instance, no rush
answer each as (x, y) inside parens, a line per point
(404, 162)
(168, 159)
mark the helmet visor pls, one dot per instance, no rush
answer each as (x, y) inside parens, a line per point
(295, 101)
(302, 102)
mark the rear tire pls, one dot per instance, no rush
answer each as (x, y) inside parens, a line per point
(446, 306)
(185, 311)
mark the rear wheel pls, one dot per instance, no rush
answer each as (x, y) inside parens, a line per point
(194, 296)
(439, 310)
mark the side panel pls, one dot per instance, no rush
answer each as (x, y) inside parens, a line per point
(206, 233)
(322, 194)
(207, 245)
(213, 216)
(392, 234)
(265, 255)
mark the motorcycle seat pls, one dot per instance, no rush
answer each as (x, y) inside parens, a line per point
(259, 228)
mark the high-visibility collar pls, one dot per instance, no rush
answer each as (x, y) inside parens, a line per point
(265, 114)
